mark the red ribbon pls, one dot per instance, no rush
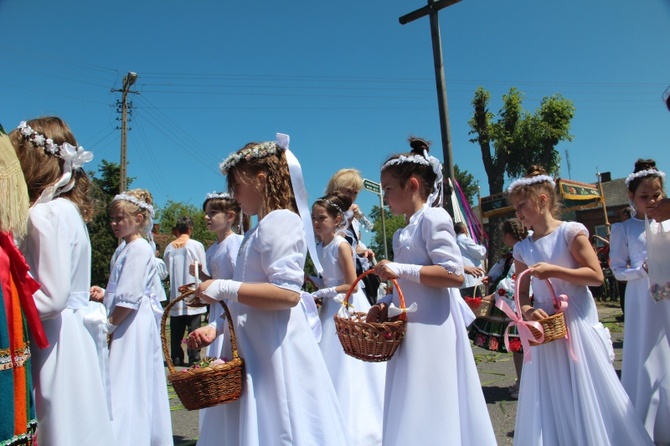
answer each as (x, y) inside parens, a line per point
(26, 286)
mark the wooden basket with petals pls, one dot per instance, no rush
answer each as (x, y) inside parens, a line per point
(205, 386)
(553, 327)
(370, 341)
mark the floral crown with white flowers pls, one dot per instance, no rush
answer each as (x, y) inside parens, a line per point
(260, 150)
(531, 180)
(75, 156)
(645, 173)
(218, 196)
(134, 200)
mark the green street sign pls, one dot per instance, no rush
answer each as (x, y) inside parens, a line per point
(372, 186)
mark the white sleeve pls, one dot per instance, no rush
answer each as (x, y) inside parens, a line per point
(47, 249)
(131, 284)
(440, 239)
(472, 249)
(620, 258)
(281, 239)
(497, 269)
(161, 268)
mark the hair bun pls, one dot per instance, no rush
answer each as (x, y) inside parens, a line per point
(647, 164)
(535, 170)
(419, 145)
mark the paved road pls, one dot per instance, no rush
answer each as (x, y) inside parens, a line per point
(496, 372)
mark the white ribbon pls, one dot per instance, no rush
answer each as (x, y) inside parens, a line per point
(311, 314)
(438, 189)
(95, 321)
(74, 158)
(394, 311)
(301, 198)
(346, 311)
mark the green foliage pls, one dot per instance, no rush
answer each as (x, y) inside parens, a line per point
(519, 138)
(469, 185)
(172, 211)
(392, 224)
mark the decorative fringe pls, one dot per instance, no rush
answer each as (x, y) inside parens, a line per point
(14, 199)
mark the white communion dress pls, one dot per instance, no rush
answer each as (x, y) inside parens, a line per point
(70, 395)
(645, 372)
(288, 397)
(359, 385)
(570, 393)
(433, 392)
(140, 406)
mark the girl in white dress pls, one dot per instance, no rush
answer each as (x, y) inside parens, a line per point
(140, 406)
(288, 397)
(645, 373)
(222, 212)
(570, 393)
(433, 394)
(71, 399)
(359, 385)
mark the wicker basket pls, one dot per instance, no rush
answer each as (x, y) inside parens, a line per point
(189, 290)
(370, 341)
(480, 307)
(206, 386)
(553, 326)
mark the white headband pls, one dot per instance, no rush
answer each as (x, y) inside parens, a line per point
(125, 197)
(530, 180)
(645, 173)
(425, 160)
(74, 157)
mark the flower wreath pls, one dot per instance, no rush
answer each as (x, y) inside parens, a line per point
(260, 150)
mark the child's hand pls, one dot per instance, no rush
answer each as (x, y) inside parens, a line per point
(97, 293)
(192, 271)
(201, 337)
(532, 314)
(383, 271)
(377, 313)
(542, 270)
(200, 292)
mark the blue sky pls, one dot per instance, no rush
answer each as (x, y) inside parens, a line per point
(344, 79)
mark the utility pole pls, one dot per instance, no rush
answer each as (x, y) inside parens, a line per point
(431, 10)
(128, 81)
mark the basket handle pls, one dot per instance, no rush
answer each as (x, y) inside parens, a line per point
(166, 312)
(560, 302)
(401, 296)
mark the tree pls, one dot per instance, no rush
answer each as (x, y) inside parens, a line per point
(392, 223)
(517, 140)
(172, 211)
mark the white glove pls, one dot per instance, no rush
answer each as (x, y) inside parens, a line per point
(109, 328)
(325, 292)
(223, 289)
(406, 271)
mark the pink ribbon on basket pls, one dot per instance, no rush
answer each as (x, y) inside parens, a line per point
(525, 335)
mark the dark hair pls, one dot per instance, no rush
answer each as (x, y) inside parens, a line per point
(227, 204)
(532, 191)
(515, 228)
(335, 204)
(404, 171)
(183, 224)
(640, 165)
(460, 228)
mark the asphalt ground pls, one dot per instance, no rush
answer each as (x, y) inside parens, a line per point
(496, 373)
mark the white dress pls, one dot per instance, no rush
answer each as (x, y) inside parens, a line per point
(645, 373)
(288, 398)
(359, 385)
(140, 406)
(566, 401)
(71, 398)
(221, 259)
(433, 393)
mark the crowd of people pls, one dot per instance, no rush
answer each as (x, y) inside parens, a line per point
(87, 367)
